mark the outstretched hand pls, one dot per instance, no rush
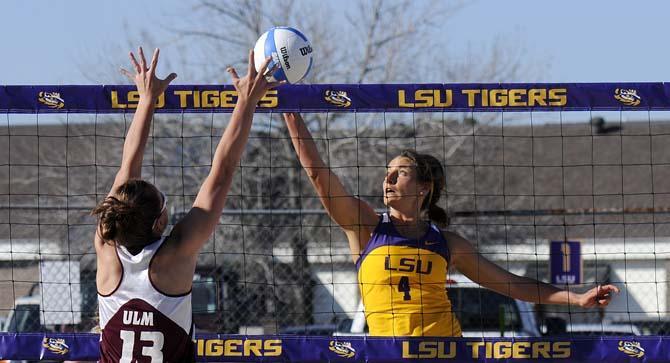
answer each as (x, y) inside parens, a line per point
(600, 295)
(148, 85)
(253, 85)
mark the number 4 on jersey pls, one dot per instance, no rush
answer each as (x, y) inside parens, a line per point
(403, 286)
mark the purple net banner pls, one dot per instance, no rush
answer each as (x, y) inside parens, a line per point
(349, 98)
(272, 348)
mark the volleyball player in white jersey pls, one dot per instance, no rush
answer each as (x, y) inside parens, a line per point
(144, 280)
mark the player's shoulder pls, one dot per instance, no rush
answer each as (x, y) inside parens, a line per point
(456, 241)
(450, 235)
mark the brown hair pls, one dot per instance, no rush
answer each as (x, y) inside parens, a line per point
(128, 217)
(430, 170)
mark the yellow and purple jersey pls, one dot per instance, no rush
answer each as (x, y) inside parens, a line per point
(403, 283)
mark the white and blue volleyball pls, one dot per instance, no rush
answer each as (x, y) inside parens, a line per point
(288, 47)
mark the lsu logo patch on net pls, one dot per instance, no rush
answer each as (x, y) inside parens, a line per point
(343, 349)
(51, 99)
(338, 98)
(55, 345)
(631, 348)
(628, 97)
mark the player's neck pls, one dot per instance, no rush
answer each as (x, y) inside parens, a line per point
(404, 218)
(408, 226)
(404, 221)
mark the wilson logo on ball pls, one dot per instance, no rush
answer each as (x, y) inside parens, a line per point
(305, 50)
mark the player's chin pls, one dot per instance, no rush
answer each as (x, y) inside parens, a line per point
(390, 201)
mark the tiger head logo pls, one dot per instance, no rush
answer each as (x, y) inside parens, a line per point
(632, 348)
(338, 98)
(55, 345)
(628, 97)
(343, 349)
(51, 99)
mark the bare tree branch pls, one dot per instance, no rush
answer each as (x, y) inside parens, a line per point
(211, 35)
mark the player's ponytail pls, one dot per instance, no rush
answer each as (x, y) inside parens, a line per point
(430, 170)
(438, 215)
(127, 218)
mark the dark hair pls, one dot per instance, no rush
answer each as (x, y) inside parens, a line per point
(127, 219)
(430, 170)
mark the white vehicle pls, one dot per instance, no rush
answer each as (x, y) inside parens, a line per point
(481, 312)
(601, 329)
(23, 318)
(55, 300)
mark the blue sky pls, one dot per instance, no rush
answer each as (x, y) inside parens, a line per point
(46, 42)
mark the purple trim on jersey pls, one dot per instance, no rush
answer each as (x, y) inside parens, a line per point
(385, 234)
(152, 281)
(137, 316)
(116, 250)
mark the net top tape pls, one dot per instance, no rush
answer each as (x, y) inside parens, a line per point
(480, 97)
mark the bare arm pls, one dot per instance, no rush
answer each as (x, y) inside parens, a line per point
(479, 269)
(195, 228)
(149, 88)
(355, 216)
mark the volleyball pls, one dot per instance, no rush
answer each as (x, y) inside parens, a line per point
(288, 47)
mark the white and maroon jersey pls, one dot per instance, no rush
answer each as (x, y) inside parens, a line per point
(139, 323)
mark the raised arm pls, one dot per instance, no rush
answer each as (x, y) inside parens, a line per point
(477, 268)
(150, 88)
(196, 227)
(356, 217)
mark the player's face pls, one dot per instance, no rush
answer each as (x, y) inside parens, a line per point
(401, 187)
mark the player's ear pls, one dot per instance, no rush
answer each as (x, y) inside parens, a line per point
(424, 188)
(160, 225)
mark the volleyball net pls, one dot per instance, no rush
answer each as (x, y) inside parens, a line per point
(564, 183)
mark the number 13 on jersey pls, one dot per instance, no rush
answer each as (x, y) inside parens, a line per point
(155, 351)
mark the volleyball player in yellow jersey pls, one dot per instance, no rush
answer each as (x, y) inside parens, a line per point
(403, 256)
